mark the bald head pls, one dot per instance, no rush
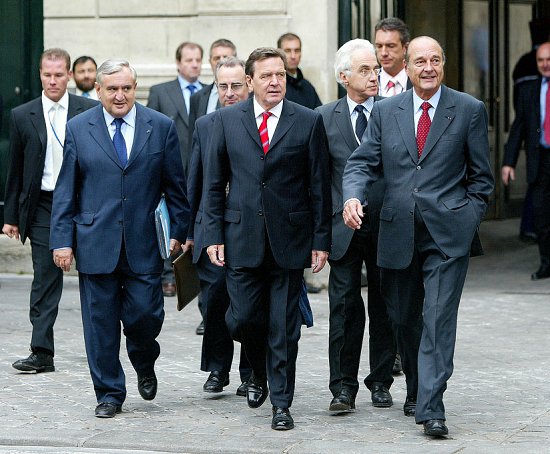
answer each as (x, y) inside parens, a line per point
(424, 65)
(543, 59)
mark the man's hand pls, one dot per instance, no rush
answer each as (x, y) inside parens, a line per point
(189, 245)
(175, 246)
(508, 174)
(216, 254)
(318, 260)
(352, 214)
(11, 230)
(63, 258)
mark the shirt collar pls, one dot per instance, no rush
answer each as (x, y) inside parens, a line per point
(434, 100)
(276, 111)
(47, 103)
(400, 77)
(368, 104)
(184, 83)
(129, 118)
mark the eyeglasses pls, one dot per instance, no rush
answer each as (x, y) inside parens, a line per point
(268, 76)
(235, 86)
(366, 72)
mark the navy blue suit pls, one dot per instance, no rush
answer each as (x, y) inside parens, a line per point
(105, 212)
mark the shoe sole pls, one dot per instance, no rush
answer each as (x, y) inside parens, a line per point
(409, 413)
(38, 370)
(382, 404)
(340, 408)
(436, 433)
(240, 393)
(289, 427)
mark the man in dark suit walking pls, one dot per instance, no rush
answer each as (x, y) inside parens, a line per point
(173, 99)
(432, 145)
(532, 126)
(217, 345)
(37, 132)
(273, 222)
(120, 158)
(356, 69)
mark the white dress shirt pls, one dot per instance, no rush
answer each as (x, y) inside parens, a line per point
(368, 105)
(400, 81)
(186, 93)
(272, 121)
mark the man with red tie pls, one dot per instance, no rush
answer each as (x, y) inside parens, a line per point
(532, 126)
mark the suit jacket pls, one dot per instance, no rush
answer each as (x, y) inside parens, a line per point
(167, 98)
(282, 197)
(198, 107)
(450, 184)
(525, 128)
(342, 143)
(98, 205)
(195, 181)
(28, 142)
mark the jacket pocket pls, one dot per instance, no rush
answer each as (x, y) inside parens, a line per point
(84, 218)
(233, 216)
(387, 214)
(454, 204)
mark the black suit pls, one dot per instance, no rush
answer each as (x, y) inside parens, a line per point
(29, 208)
(526, 128)
(276, 212)
(198, 105)
(349, 250)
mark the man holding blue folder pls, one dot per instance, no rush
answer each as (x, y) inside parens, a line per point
(119, 158)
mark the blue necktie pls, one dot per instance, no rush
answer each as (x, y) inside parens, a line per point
(361, 123)
(119, 142)
(86, 94)
(191, 89)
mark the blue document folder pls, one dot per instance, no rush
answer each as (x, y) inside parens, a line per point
(162, 224)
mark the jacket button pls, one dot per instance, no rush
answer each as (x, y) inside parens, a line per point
(264, 185)
(418, 167)
(416, 190)
(260, 213)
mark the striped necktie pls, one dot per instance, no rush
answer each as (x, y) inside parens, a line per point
(264, 135)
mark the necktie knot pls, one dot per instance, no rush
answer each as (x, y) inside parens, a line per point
(118, 123)
(391, 84)
(85, 94)
(359, 108)
(191, 88)
(425, 106)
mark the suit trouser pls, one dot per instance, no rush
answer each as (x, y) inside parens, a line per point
(47, 283)
(443, 280)
(217, 344)
(541, 205)
(264, 314)
(347, 318)
(107, 300)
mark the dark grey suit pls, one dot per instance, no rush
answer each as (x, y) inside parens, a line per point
(431, 209)
(350, 249)
(276, 212)
(29, 208)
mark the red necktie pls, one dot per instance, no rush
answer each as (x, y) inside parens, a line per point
(423, 129)
(264, 136)
(390, 86)
(546, 124)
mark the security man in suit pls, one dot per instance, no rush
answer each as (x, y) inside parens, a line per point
(431, 144)
(356, 69)
(37, 132)
(120, 157)
(273, 222)
(532, 126)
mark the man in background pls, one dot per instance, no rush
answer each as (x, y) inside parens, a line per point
(37, 135)
(84, 73)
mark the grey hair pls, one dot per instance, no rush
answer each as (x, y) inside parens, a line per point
(113, 66)
(342, 62)
(229, 62)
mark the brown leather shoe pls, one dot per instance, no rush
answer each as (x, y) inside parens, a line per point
(169, 289)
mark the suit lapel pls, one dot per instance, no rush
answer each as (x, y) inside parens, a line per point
(141, 134)
(405, 121)
(443, 117)
(343, 122)
(100, 133)
(175, 94)
(284, 124)
(249, 122)
(74, 107)
(37, 120)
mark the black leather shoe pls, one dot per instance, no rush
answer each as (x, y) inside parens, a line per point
(409, 409)
(542, 273)
(36, 362)
(147, 385)
(281, 419)
(200, 329)
(169, 289)
(397, 366)
(257, 392)
(381, 397)
(342, 403)
(242, 389)
(435, 428)
(216, 381)
(107, 410)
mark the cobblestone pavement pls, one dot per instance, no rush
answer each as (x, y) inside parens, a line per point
(497, 401)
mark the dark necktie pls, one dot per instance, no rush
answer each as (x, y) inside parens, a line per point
(119, 142)
(546, 123)
(361, 123)
(191, 89)
(423, 128)
(264, 135)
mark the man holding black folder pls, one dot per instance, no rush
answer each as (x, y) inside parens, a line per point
(119, 158)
